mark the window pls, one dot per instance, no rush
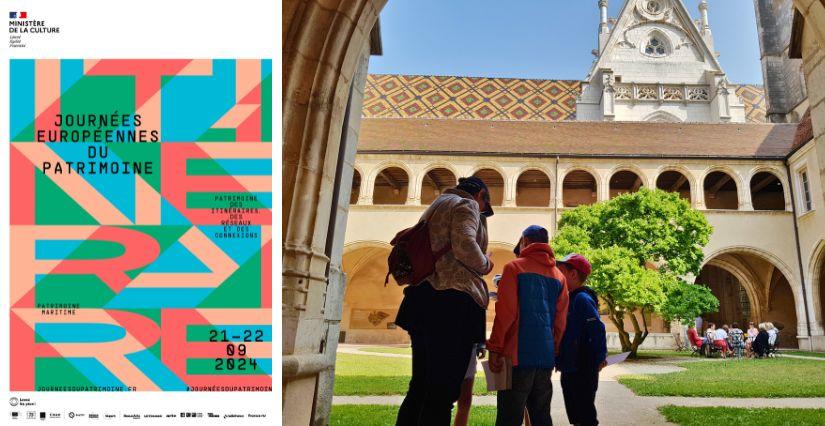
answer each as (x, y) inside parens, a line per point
(806, 191)
(655, 47)
(653, 7)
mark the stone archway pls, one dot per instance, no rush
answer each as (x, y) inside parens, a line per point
(735, 301)
(369, 308)
(752, 287)
(325, 50)
(817, 265)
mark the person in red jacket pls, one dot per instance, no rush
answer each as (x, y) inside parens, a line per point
(531, 313)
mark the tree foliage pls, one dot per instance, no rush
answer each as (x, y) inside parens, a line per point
(641, 245)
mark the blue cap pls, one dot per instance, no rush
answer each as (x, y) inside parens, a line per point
(536, 234)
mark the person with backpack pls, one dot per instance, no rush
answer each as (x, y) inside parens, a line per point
(531, 311)
(445, 313)
(584, 347)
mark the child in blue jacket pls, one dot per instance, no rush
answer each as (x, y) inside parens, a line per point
(583, 348)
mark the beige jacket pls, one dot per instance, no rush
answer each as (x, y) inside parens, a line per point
(456, 219)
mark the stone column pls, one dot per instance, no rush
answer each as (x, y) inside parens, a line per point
(414, 186)
(608, 98)
(324, 43)
(745, 197)
(509, 190)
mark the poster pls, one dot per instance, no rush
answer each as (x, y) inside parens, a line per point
(141, 210)
(137, 213)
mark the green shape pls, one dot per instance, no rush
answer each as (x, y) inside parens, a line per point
(141, 152)
(241, 290)
(202, 333)
(266, 109)
(198, 333)
(25, 135)
(217, 135)
(155, 349)
(88, 291)
(209, 365)
(54, 207)
(165, 235)
(97, 249)
(206, 200)
(154, 315)
(105, 95)
(58, 372)
(204, 167)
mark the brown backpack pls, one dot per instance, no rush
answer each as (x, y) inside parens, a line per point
(411, 259)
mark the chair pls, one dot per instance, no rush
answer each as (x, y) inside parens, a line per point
(710, 348)
(696, 350)
(773, 347)
(736, 341)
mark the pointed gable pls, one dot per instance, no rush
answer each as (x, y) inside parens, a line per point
(656, 61)
(676, 40)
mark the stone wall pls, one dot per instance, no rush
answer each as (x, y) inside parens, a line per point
(783, 79)
(812, 156)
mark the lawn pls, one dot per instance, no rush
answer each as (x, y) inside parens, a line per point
(804, 353)
(387, 350)
(700, 416)
(384, 415)
(379, 375)
(776, 377)
(655, 354)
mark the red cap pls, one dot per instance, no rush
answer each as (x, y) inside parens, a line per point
(577, 262)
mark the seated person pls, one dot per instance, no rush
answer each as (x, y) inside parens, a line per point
(752, 332)
(772, 333)
(736, 338)
(694, 338)
(721, 341)
(760, 344)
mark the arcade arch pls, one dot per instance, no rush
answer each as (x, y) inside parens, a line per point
(434, 182)
(767, 192)
(720, 191)
(533, 189)
(495, 183)
(392, 185)
(674, 181)
(579, 188)
(624, 181)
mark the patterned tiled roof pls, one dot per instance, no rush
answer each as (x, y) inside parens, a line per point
(468, 98)
(754, 99)
(419, 96)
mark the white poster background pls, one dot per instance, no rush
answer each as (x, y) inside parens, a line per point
(143, 29)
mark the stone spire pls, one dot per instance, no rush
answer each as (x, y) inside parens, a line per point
(604, 27)
(705, 26)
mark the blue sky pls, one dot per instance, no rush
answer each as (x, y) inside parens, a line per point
(534, 38)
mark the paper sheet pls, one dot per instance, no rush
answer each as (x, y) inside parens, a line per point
(502, 380)
(615, 359)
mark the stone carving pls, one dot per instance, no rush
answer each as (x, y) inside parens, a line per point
(653, 7)
(623, 93)
(647, 93)
(672, 94)
(698, 94)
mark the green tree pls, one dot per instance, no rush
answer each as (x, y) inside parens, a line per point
(641, 245)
